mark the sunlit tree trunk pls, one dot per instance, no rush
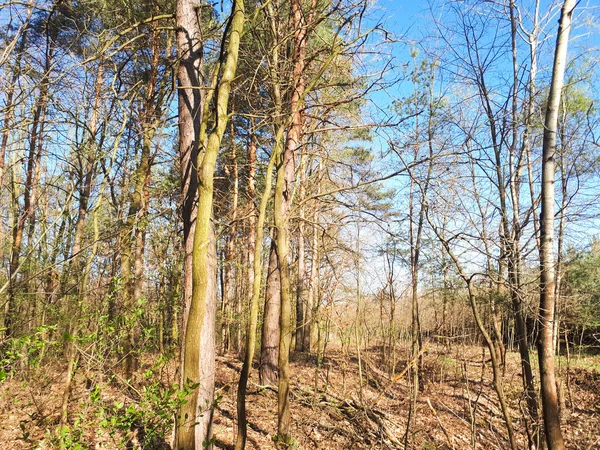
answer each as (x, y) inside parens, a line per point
(311, 296)
(190, 111)
(133, 240)
(550, 406)
(513, 244)
(282, 203)
(194, 428)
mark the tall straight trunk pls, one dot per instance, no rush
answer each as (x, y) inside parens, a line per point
(269, 356)
(415, 233)
(282, 203)
(152, 108)
(313, 283)
(564, 145)
(234, 299)
(77, 269)
(530, 117)
(550, 406)
(190, 100)
(414, 240)
(87, 176)
(251, 192)
(194, 428)
(357, 313)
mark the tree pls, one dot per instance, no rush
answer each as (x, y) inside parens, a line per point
(554, 437)
(194, 423)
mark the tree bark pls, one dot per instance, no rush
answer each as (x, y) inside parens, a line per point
(269, 353)
(282, 203)
(550, 405)
(194, 429)
(229, 330)
(135, 224)
(190, 110)
(312, 286)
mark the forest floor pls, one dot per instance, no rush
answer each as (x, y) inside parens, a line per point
(457, 407)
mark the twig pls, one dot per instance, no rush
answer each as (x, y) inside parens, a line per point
(440, 423)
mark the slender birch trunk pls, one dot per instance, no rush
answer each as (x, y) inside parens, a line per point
(550, 406)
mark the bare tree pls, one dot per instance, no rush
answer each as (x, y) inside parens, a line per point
(550, 406)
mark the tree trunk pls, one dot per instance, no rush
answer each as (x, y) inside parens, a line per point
(312, 287)
(135, 224)
(255, 279)
(282, 203)
(550, 406)
(230, 329)
(269, 353)
(190, 110)
(198, 361)
(77, 269)
(301, 326)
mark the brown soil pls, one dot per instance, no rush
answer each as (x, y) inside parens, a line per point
(456, 409)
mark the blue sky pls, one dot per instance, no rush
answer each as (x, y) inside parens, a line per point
(411, 23)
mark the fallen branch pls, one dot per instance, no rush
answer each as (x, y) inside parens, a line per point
(435, 414)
